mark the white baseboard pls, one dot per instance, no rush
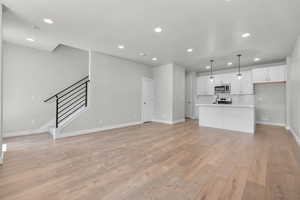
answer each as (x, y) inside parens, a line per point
(297, 138)
(1, 157)
(271, 123)
(162, 121)
(94, 130)
(2, 153)
(178, 121)
(168, 122)
(25, 132)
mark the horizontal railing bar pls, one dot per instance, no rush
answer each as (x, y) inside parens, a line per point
(73, 89)
(61, 115)
(59, 111)
(70, 113)
(74, 92)
(66, 89)
(71, 99)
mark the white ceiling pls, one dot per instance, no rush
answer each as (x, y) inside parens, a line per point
(213, 28)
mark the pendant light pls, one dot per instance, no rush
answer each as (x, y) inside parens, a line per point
(239, 75)
(211, 78)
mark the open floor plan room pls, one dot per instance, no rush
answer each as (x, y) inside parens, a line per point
(149, 100)
(154, 161)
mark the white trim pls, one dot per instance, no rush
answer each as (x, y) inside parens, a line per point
(168, 122)
(297, 138)
(162, 121)
(94, 130)
(178, 121)
(25, 132)
(4, 149)
(144, 78)
(270, 123)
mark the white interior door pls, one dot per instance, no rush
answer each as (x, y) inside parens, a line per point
(189, 97)
(147, 100)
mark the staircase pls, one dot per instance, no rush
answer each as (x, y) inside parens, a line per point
(69, 103)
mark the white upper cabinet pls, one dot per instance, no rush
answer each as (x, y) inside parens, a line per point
(246, 83)
(238, 86)
(205, 86)
(243, 85)
(269, 74)
(278, 74)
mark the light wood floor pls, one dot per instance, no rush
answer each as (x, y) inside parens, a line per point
(154, 161)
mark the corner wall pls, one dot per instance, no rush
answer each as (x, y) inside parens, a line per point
(178, 94)
(163, 93)
(169, 90)
(1, 86)
(31, 76)
(293, 93)
(115, 95)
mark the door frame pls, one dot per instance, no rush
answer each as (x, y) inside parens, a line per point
(142, 98)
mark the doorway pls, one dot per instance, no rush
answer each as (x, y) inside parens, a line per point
(147, 99)
(189, 96)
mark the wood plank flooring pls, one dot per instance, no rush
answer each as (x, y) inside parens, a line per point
(154, 161)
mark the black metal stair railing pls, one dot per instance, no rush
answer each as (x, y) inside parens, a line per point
(70, 100)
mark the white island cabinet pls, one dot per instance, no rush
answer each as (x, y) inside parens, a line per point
(231, 117)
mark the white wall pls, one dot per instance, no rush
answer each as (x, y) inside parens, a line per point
(31, 76)
(178, 93)
(270, 104)
(1, 86)
(191, 94)
(115, 94)
(293, 90)
(169, 93)
(163, 93)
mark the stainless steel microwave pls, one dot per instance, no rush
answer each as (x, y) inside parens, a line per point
(222, 88)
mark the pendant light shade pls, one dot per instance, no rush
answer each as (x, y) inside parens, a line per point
(239, 75)
(211, 78)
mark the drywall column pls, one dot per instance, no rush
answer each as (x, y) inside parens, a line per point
(169, 94)
(288, 94)
(1, 87)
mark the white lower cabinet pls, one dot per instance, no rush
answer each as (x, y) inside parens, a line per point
(230, 117)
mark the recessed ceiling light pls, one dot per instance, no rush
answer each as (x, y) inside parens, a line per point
(189, 50)
(154, 59)
(245, 35)
(30, 39)
(158, 29)
(229, 63)
(121, 46)
(48, 21)
(142, 54)
(256, 59)
(207, 67)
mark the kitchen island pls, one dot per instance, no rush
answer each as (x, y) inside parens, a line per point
(228, 116)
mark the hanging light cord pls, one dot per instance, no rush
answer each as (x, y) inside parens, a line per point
(239, 56)
(211, 68)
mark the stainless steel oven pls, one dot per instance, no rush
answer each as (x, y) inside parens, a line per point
(221, 89)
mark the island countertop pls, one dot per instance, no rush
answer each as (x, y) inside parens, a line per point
(235, 117)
